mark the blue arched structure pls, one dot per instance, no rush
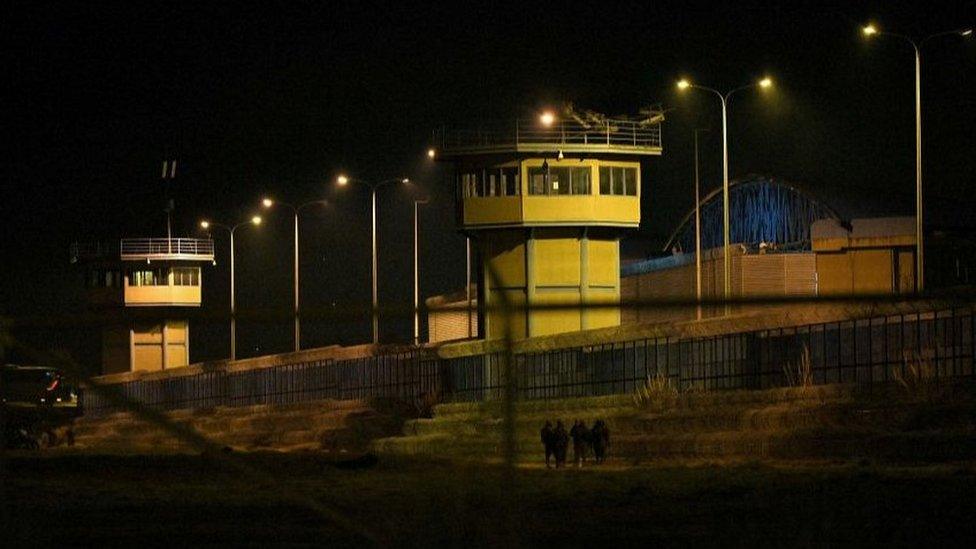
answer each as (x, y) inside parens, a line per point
(763, 209)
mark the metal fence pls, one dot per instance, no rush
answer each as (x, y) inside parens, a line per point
(863, 351)
(403, 376)
(608, 133)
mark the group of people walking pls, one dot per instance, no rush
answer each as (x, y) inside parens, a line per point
(556, 439)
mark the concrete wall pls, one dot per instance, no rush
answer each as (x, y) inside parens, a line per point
(868, 257)
(753, 275)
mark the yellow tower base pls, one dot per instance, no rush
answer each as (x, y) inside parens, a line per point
(550, 266)
(146, 346)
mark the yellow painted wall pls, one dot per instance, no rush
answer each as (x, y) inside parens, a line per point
(865, 271)
(582, 210)
(557, 259)
(592, 209)
(162, 295)
(555, 321)
(872, 270)
(496, 317)
(147, 345)
(492, 210)
(604, 262)
(602, 317)
(906, 272)
(834, 273)
(177, 343)
(504, 251)
(554, 266)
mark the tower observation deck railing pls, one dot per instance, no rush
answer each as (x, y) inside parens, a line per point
(138, 249)
(636, 137)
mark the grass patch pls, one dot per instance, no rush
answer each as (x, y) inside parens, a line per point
(192, 500)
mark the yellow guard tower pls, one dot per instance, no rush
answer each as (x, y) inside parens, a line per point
(149, 281)
(546, 202)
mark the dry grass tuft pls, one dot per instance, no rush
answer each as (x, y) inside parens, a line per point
(657, 392)
(799, 373)
(918, 378)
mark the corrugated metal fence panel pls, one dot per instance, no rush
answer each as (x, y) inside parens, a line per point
(762, 275)
(801, 273)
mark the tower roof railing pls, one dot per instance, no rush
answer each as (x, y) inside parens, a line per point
(529, 135)
(141, 249)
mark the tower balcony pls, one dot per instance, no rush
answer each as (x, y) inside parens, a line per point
(145, 249)
(567, 136)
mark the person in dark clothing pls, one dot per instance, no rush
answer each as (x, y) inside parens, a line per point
(600, 436)
(548, 441)
(561, 442)
(581, 439)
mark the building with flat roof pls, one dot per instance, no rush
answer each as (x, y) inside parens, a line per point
(546, 202)
(158, 277)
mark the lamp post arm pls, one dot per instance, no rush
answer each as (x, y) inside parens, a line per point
(736, 90)
(958, 32)
(711, 90)
(909, 39)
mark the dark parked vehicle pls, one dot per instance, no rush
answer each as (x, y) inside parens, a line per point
(35, 403)
(35, 387)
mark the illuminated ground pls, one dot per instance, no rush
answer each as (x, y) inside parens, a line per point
(193, 500)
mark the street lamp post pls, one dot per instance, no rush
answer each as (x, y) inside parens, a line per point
(698, 250)
(467, 282)
(343, 180)
(268, 203)
(871, 30)
(255, 220)
(416, 269)
(765, 83)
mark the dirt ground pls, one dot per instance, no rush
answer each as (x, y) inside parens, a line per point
(305, 499)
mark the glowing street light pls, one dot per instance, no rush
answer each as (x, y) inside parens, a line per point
(869, 31)
(268, 203)
(431, 153)
(547, 118)
(684, 84)
(207, 224)
(343, 180)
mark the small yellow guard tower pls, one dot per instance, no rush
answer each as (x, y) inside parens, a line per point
(546, 203)
(149, 282)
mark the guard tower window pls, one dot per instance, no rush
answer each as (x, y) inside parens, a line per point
(103, 278)
(489, 182)
(559, 181)
(618, 181)
(147, 277)
(510, 181)
(186, 276)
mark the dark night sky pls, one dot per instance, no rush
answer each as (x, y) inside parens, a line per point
(282, 98)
